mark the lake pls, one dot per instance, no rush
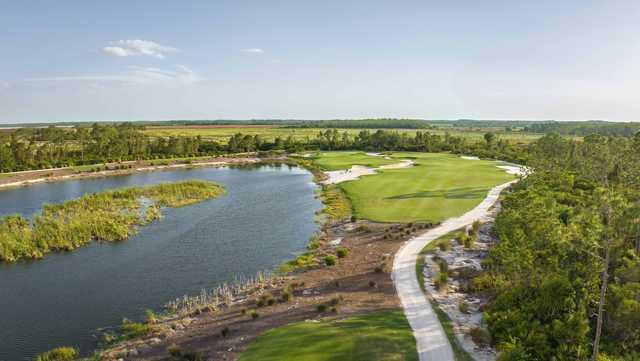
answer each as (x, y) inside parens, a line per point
(265, 218)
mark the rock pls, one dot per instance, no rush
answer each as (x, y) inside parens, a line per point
(154, 341)
(132, 352)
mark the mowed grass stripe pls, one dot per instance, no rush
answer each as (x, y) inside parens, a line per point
(379, 336)
(437, 187)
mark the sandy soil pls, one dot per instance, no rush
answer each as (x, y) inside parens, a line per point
(368, 263)
(431, 340)
(357, 171)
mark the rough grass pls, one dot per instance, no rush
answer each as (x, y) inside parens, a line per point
(437, 187)
(222, 134)
(380, 336)
(336, 205)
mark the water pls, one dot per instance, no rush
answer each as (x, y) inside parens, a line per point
(266, 216)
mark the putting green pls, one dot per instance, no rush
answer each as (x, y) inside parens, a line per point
(344, 160)
(437, 187)
(380, 336)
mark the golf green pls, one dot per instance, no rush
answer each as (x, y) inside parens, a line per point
(438, 186)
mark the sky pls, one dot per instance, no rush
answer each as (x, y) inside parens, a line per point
(78, 60)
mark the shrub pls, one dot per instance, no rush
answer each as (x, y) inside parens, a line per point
(265, 299)
(225, 331)
(286, 295)
(336, 300)
(480, 336)
(468, 241)
(254, 314)
(444, 245)
(378, 269)
(372, 284)
(334, 309)
(178, 354)
(59, 354)
(330, 260)
(150, 316)
(321, 307)
(342, 252)
(441, 280)
(132, 329)
(443, 266)
(463, 306)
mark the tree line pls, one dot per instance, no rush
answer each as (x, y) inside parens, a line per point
(564, 279)
(41, 148)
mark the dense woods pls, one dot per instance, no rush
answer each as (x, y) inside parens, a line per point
(41, 148)
(565, 277)
(105, 216)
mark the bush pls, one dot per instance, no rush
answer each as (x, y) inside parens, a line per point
(59, 354)
(441, 280)
(178, 354)
(469, 241)
(150, 316)
(480, 336)
(334, 309)
(378, 269)
(286, 296)
(342, 252)
(132, 329)
(225, 331)
(444, 245)
(372, 284)
(321, 307)
(330, 260)
(254, 314)
(336, 300)
(265, 299)
(463, 306)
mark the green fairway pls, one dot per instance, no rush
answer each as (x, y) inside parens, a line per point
(344, 160)
(437, 187)
(380, 336)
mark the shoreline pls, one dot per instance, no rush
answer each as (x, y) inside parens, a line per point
(27, 178)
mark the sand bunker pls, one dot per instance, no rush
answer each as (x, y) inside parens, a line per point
(356, 171)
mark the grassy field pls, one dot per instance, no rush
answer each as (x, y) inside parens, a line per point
(437, 187)
(221, 134)
(344, 160)
(380, 336)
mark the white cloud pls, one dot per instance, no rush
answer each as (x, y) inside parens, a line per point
(253, 51)
(138, 48)
(181, 75)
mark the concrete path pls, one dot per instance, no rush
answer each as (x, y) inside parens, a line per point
(432, 342)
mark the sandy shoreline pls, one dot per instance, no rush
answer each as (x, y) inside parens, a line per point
(27, 178)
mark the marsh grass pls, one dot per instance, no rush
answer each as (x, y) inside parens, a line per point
(105, 216)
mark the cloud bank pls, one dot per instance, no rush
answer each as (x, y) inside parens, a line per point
(122, 48)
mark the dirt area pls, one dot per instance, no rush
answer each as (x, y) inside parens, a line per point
(56, 174)
(358, 283)
(462, 307)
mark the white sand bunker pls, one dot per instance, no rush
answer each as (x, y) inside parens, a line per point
(469, 157)
(513, 169)
(356, 171)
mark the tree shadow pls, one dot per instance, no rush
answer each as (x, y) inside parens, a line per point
(455, 193)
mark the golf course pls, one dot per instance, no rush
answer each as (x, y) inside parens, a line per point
(436, 187)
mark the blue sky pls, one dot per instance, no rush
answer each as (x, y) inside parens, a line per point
(123, 60)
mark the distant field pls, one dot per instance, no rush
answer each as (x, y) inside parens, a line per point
(437, 187)
(380, 336)
(223, 132)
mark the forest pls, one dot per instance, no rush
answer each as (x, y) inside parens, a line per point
(41, 148)
(564, 279)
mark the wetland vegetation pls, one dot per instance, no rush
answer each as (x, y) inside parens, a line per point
(104, 216)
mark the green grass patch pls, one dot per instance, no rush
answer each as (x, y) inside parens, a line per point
(344, 160)
(58, 354)
(438, 187)
(380, 336)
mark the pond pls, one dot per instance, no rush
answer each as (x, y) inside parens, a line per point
(266, 217)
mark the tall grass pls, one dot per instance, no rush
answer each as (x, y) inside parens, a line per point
(106, 216)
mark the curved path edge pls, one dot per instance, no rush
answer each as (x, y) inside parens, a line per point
(432, 342)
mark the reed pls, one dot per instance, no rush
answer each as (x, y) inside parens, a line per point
(105, 216)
